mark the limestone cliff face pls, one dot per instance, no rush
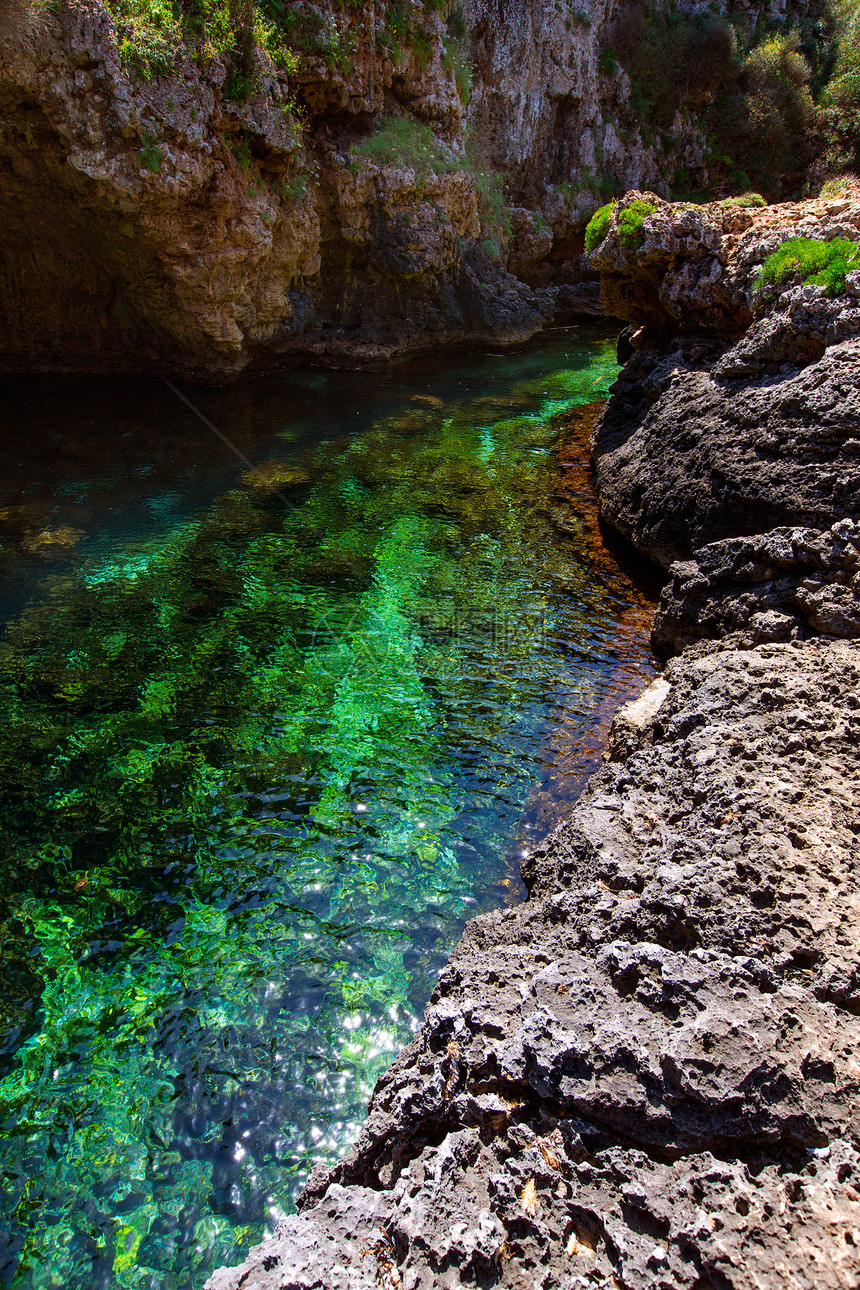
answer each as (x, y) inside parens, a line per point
(158, 222)
(162, 225)
(553, 122)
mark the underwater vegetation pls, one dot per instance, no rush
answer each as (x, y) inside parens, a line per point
(259, 766)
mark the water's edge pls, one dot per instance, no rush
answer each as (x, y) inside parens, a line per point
(212, 793)
(645, 1074)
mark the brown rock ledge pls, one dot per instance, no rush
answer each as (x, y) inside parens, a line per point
(738, 410)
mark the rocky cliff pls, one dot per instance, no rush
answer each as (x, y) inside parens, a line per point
(647, 1075)
(370, 179)
(739, 408)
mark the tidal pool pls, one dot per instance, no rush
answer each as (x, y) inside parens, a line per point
(279, 716)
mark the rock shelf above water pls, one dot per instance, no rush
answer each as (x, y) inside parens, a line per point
(738, 410)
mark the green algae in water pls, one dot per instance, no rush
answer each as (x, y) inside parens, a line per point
(260, 764)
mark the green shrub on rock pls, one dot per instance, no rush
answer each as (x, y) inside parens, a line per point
(841, 186)
(402, 141)
(410, 144)
(149, 36)
(813, 262)
(457, 55)
(745, 200)
(607, 63)
(632, 218)
(150, 155)
(629, 220)
(598, 227)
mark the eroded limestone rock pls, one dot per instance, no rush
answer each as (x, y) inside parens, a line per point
(159, 224)
(162, 225)
(784, 585)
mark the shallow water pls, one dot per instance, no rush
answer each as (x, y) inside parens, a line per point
(279, 719)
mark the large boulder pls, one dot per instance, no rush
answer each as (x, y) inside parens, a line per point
(738, 410)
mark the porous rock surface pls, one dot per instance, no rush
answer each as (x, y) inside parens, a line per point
(787, 584)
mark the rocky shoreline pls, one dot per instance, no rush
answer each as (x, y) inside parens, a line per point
(388, 179)
(647, 1075)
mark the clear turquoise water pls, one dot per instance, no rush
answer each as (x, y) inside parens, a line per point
(275, 727)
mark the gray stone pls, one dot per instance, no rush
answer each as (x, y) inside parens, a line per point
(783, 585)
(683, 459)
